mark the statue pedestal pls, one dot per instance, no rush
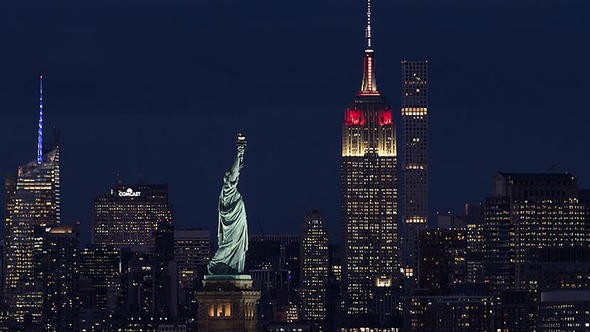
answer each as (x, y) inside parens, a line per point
(227, 303)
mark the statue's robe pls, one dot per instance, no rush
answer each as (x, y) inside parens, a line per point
(232, 231)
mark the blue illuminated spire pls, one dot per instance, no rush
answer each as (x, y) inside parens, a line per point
(40, 133)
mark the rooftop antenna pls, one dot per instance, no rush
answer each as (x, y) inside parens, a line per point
(369, 83)
(368, 29)
(40, 133)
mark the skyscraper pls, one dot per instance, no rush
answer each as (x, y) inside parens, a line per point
(128, 216)
(314, 270)
(414, 149)
(33, 200)
(368, 195)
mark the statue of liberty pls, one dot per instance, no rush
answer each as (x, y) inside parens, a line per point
(232, 227)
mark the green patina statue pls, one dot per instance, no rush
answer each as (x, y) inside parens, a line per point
(232, 227)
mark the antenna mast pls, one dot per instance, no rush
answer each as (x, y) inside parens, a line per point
(368, 29)
(40, 132)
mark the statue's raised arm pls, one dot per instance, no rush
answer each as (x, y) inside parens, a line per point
(232, 231)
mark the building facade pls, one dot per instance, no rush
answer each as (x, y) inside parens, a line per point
(128, 216)
(99, 285)
(273, 262)
(525, 214)
(192, 252)
(565, 310)
(368, 198)
(314, 270)
(453, 313)
(442, 262)
(60, 271)
(414, 168)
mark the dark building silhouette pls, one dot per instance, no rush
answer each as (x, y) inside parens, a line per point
(474, 237)
(100, 279)
(514, 311)
(165, 272)
(192, 252)
(60, 271)
(139, 307)
(273, 263)
(442, 262)
(566, 310)
(467, 308)
(334, 286)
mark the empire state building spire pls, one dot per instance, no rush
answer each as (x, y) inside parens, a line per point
(369, 83)
(368, 29)
(40, 132)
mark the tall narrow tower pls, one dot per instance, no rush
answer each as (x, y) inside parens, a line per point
(33, 203)
(414, 122)
(369, 196)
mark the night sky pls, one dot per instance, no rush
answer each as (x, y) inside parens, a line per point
(156, 90)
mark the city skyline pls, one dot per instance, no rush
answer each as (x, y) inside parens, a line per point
(109, 225)
(120, 121)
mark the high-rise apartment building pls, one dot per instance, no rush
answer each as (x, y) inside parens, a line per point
(414, 168)
(32, 201)
(368, 196)
(314, 270)
(128, 216)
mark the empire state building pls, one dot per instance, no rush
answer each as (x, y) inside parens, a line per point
(369, 198)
